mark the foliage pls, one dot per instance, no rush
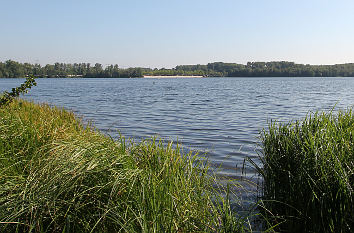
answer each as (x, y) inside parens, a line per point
(308, 171)
(7, 97)
(58, 176)
(258, 69)
(12, 69)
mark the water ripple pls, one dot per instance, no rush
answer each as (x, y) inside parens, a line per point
(220, 116)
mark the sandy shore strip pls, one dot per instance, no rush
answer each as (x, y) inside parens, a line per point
(174, 76)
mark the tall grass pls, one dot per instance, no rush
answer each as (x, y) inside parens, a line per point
(57, 175)
(308, 171)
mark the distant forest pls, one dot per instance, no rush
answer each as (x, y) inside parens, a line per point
(13, 69)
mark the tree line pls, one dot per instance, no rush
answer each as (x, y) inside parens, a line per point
(13, 69)
(260, 69)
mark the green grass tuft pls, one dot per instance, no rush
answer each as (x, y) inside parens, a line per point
(308, 171)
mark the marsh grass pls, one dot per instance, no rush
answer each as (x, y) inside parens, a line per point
(308, 172)
(57, 175)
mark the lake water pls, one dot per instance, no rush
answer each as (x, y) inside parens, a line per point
(220, 116)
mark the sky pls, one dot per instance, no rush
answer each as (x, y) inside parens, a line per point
(166, 33)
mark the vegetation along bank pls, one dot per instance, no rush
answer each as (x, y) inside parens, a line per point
(57, 175)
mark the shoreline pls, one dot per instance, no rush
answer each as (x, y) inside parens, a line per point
(172, 76)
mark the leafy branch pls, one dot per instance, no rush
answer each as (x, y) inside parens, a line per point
(8, 97)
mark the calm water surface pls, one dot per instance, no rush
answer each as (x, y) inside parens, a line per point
(221, 116)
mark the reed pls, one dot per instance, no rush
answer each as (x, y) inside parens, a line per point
(57, 175)
(308, 172)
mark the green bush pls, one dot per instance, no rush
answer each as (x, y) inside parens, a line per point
(308, 171)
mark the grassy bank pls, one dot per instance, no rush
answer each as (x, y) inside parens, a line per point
(58, 176)
(309, 173)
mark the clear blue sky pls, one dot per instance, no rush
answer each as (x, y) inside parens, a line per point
(166, 33)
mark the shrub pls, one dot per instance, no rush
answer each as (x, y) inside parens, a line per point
(7, 97)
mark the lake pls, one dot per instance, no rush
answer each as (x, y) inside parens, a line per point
(220, 116)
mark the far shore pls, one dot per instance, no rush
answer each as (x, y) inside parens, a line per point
(172, 76)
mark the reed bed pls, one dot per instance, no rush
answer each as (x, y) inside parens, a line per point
(308, 172)
(57, 175)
